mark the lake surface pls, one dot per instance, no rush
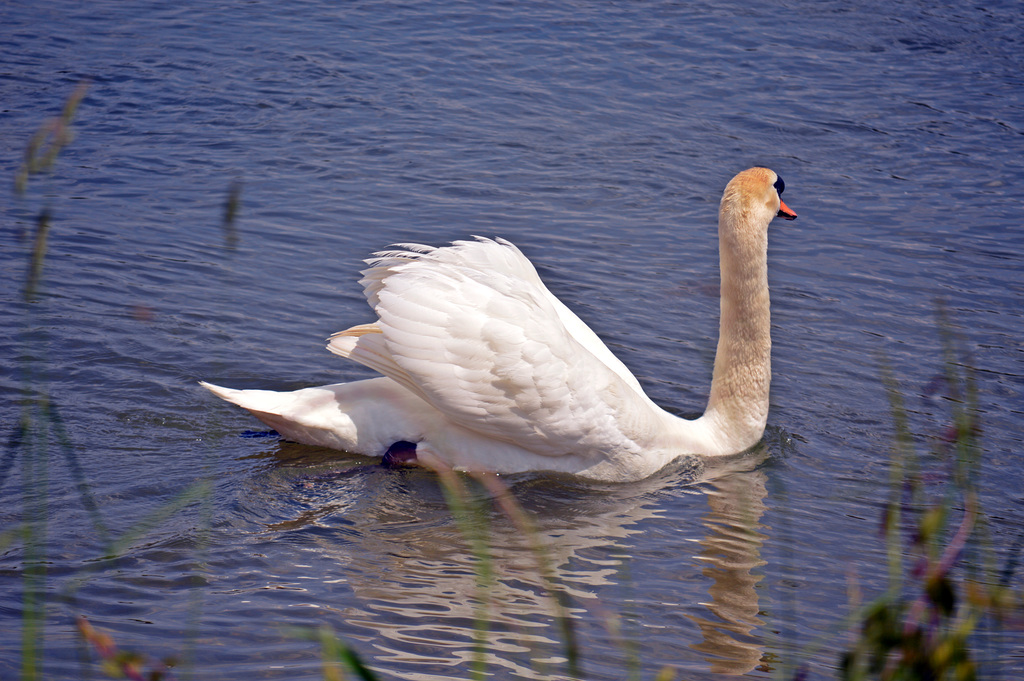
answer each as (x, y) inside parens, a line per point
(597, 137)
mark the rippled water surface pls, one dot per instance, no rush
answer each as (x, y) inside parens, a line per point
(596, 136)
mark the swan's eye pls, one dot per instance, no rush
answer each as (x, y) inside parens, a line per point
(780, 186)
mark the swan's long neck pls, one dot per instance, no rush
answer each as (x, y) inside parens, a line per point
(738, 407)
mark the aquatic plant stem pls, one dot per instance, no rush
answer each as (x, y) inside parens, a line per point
(34, 501)
(337, 655)
(506, 501)
(472, 526)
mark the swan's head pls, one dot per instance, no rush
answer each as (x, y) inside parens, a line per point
(755, 195)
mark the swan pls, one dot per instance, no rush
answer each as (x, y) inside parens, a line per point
(485, 370)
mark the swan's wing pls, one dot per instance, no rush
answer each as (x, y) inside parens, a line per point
(484, 258)
(473, 330)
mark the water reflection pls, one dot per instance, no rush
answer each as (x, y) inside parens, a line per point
(391, 539)
(732, 550)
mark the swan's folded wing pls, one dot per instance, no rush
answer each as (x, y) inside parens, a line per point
(486, 343)
(481, 260)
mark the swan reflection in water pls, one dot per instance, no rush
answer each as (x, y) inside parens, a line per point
(396, 546)
(731, 550)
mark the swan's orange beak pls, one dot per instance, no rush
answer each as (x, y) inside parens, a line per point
(785, 212)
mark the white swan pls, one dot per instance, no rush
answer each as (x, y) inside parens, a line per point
(484, 369)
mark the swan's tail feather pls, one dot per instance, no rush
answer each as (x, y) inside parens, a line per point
(258, 402)
(226, 394)
(265, 405)
(312, 416)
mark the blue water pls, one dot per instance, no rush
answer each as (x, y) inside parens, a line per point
(596, 136)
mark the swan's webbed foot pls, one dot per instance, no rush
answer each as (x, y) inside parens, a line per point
(401, 453)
